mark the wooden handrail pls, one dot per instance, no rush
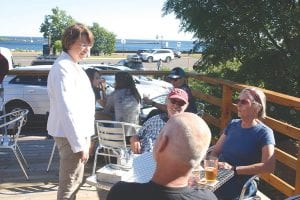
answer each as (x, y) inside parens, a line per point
(227, 108)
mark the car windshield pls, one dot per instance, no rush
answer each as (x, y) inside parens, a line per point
(109, 79)
(150, 51)
(144, 78)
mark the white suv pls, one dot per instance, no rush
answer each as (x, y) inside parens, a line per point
(26, 91)
(165, 55)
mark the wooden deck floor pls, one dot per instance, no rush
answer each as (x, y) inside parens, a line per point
(41, 184)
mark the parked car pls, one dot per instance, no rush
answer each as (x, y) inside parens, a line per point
(139, 79)
(138, 52)
(26, 92)
(160, 86)
(23, 91)
(44, 60)
(138, 55)
(105, 67)
(177, 53)
(146, 109)
(135, 64)
(165, 55)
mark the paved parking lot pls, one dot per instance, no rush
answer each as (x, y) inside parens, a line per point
(186, 61)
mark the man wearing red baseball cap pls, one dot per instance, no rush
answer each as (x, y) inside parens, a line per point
(177, 102)
(177, 78)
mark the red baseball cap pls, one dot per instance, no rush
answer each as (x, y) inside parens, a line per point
(177, 93)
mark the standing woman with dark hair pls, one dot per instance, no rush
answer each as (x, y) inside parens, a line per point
(98, 84)
(72, 109)
(125, 100)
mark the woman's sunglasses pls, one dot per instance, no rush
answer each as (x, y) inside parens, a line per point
(242, 101)
(179, 103)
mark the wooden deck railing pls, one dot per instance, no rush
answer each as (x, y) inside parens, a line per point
(227, 108)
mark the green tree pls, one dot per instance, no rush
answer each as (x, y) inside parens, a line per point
(104, 40)
(55, 24)
(262, 36)
(58, 45)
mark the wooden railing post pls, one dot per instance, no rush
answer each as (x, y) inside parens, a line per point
(297, 180)
(226, 106)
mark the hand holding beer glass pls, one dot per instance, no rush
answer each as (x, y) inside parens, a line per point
(211, 168)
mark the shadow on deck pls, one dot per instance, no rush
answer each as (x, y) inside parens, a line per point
(41, 184)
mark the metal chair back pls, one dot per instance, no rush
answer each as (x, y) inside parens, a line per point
(112, 138)
(252, 180)
(295, 197)
(10, 126)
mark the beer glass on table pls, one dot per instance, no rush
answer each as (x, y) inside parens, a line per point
(211, 168)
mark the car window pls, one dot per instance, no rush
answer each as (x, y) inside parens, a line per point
(142, 51)
(42, 62)
(109, 78)
(144, 78)
(135, 65)
(30, 80)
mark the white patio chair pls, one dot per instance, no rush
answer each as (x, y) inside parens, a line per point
(252, 180)
(10, 126)
(111, 136)
(200, 108)
(295, 197)
(51, 157)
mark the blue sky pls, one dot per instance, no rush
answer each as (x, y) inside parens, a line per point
(128, 19)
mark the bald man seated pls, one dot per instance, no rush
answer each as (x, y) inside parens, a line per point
(181, 144)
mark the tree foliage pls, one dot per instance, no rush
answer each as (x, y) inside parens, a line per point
(55, 24)
(104, 40)
(58, 45)
(262, 35)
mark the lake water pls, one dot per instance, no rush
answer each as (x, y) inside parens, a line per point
(36, 44)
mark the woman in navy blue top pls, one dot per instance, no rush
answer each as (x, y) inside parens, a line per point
(246, 145)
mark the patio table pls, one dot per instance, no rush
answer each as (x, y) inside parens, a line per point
(143, 169)
(223, 176)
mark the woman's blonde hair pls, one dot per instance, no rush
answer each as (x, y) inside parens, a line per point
(259, 97)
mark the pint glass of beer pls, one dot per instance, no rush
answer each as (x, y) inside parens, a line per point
(211, 168)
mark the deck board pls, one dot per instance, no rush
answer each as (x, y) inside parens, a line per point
(41, 184)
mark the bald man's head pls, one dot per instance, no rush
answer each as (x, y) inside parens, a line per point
(188, 138)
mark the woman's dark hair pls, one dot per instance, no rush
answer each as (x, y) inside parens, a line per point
(74, 32)
(91, 73)
(125, 80)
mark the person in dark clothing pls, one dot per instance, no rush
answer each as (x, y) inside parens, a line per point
(98, 84)
(180, 146)
(178, 80)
